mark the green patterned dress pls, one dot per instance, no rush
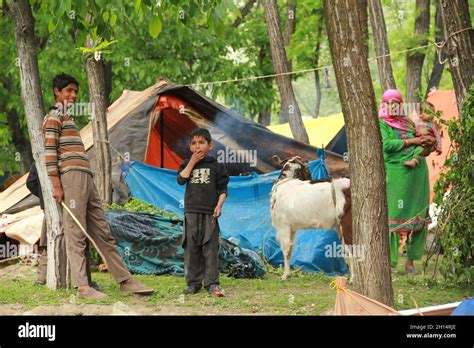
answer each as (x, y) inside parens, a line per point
(408, 194)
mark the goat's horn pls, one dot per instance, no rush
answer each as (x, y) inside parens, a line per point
(276, 159)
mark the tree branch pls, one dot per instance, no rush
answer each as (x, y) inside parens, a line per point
(243, 13)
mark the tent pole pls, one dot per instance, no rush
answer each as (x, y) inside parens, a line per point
(162, 146)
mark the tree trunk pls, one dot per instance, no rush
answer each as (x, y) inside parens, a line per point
(459, 47)
(317, 80)
(265, 113)
(364, 23)
(264, 116)
(290, 28)
(437, 71)
(98, 100)
(372, 275)
(33, 101)
(108, 82)
(379, 31)
(416, 58)
(19, 139)
(290, 111)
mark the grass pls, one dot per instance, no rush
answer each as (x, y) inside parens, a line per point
(302, 294)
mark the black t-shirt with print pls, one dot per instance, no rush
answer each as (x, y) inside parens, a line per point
(207, 181)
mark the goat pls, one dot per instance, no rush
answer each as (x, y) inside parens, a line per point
(297, 202)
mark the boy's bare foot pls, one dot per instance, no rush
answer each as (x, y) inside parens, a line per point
(88, 292)
(411, 164)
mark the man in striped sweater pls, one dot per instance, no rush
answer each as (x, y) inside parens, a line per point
(71, 175)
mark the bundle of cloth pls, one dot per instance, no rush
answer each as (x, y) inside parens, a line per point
(151, 244)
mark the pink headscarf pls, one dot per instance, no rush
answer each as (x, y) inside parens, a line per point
(395, 121)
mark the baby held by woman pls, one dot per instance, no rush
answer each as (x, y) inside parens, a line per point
(425, 125)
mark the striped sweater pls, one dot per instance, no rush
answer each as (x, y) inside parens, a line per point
(64, 149)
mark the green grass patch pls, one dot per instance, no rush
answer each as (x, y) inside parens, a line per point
(302, 294)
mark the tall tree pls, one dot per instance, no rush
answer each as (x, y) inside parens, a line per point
(97, 92)
(265, 113)
(370, 225)
(290, 28)
(290, 111)
(382, 50)
(460, 45)
(33, 101)
(438, 67)
(416, 58)
(363, 16)
(20, 141)
(317, 54)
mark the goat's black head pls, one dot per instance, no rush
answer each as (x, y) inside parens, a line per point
(294, 168)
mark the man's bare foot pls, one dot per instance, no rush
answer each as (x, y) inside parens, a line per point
(86, 291)
(411, 164)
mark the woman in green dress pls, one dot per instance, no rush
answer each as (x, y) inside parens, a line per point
(408, 191)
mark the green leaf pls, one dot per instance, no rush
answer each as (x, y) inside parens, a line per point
(105, 15)
(155, 26)
(219, 12)
(60, 9)
(68, 5)
(101, 3)
(138, 6)
(52, 24)
(229, 4)
(113, 19)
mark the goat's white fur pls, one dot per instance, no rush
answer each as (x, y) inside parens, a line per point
(297, 205)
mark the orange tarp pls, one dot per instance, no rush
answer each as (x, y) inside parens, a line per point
(349, 302)
(176, 128)
(446, 102)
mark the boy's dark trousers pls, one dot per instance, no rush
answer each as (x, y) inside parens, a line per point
(201, 250)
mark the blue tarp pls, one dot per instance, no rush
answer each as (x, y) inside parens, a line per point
(465, 308)
(246, 214)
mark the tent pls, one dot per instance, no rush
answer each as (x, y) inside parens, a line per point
(136, 129)
(151, 129)
(338, 144)
(321, 131)
(446, 102)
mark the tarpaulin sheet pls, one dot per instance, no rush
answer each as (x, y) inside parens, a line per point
(151, 244)
(246, 215)
(465, 308)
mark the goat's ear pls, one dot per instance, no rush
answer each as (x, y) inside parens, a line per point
(302, 161)
(277, 160)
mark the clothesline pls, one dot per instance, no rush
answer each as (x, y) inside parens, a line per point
(296, 71)
(438, 45)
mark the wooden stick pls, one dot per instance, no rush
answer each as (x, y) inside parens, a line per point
(84, 231)
(10, 259)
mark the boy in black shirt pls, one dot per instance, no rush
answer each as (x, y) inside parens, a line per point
(206, 191)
